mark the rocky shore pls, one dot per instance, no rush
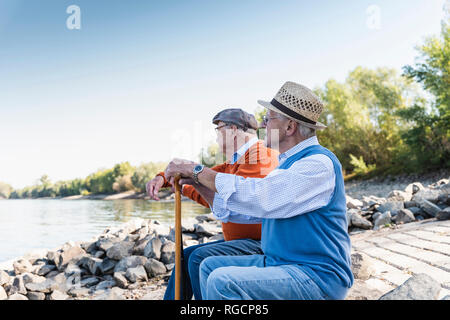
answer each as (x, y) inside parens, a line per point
(134, 261)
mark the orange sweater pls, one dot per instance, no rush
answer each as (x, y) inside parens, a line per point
(257, 162)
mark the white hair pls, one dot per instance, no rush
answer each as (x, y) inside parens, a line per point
(303, 130)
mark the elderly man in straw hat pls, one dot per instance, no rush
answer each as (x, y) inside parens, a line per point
(247, 156)
(302, 205)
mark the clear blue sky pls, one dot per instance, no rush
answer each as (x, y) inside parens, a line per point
(142, 80)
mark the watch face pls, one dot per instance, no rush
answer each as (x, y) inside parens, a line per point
(198, 168)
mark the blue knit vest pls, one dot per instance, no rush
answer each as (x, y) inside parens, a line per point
(318, 241)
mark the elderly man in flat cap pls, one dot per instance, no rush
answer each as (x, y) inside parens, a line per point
(305, 244)
(247, 157)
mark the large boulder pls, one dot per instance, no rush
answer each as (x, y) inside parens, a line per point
(362, 266)
(418, 287)
(381, 220)
(155, 267)
(68, 255)
(360, 222)
(130, 262)
(353, 203)
(21, 266)
(443, 214)
(120, 250)
(46, 286)
(431, 195)
(207, 229)
(153, 248)
(398, 195)
(136, 274)
(404, 216)
(168, 252)
(429, 207)
(392, 206)
(18, 286)
(414, 187)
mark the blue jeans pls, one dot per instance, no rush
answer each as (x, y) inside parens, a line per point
(194, 255)
(246, 278)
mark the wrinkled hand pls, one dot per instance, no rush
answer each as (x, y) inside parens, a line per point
(183, 167)
(152, 187)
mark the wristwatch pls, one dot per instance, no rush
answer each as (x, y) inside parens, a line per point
(197, 169)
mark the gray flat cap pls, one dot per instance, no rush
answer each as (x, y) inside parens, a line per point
(238, 117)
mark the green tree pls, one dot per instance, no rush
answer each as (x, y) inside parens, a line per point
(145, 172)
(428, 133)
(5, 190)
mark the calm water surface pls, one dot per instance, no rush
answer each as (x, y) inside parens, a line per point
(34, 224)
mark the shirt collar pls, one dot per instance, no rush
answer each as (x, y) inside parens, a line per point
(242, 150)
(297, 148)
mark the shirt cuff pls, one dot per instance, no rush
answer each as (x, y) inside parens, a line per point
(225, 188)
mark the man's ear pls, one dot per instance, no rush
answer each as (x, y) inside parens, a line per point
(291, 128)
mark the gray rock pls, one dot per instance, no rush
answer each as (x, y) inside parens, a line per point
(154, 267)
(107, 266)
(139, 248)
(418, 287)
(372, 201)
(207, 229)
(107, 284)
(353, 203)
(45, 287)
(398, 195)
(36, 296)
(22, 266)
(414, 187)
(58, 295)
(136, 274)
(443, 214)
(362, 266)
(120, 250)
(360, 222)
(430, 208)
(3, 295)
(409, 204)
(89, 282)
(130, 262)
(99, 254)
(120, 280)
(45, 269)
(447, 297)
(404, 216)
(168, 252)
(72, 269)
(392, 206)
(153, 248)
(17, 296)
(415, 210)
(67, 256)
(383, 219)
(106, 243)
(4, 278)
(431, 195)
(18, 286)
(32, 278)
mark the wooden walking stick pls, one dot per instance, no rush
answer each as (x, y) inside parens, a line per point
(178, 240)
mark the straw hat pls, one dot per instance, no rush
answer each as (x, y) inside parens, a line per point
(298, 103)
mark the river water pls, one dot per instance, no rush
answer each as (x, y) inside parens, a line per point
(26, 225)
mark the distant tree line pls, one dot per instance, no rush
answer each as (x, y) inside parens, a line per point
(122, 177)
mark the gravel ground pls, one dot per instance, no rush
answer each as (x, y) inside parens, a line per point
(381, 186)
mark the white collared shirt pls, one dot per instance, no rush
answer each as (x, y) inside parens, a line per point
(306, 186)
